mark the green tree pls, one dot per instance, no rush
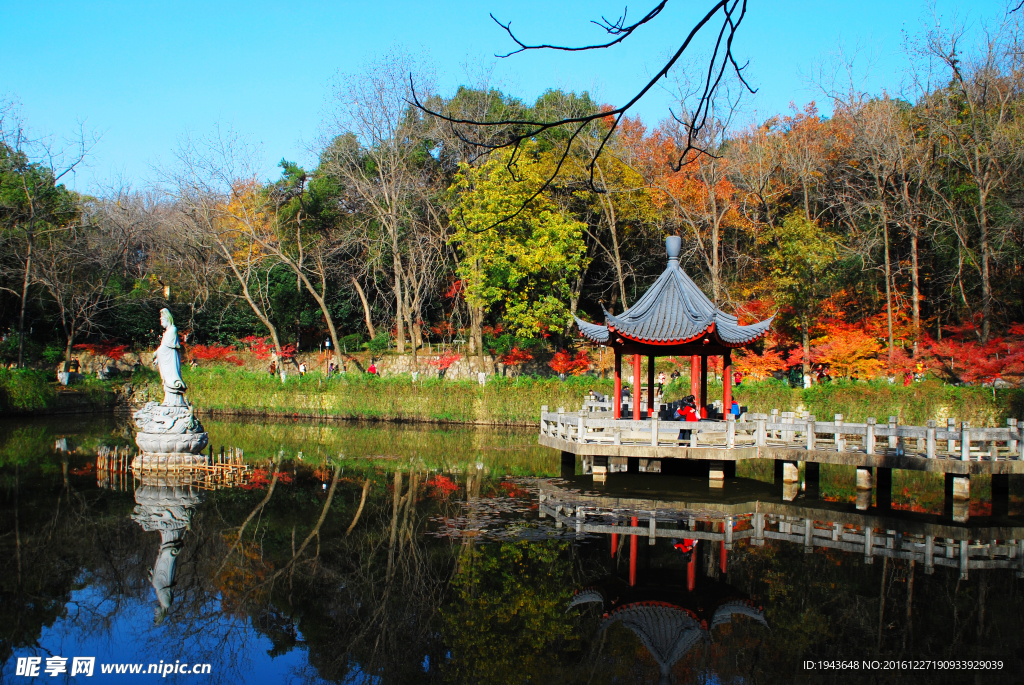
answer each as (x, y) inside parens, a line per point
(528, 262)
(799, 259)
(33, 204)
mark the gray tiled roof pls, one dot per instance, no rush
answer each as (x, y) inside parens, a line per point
(738, 607)
(674, 310)
(667, 631)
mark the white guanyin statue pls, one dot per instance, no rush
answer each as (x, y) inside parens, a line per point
(168, 361)
(169, 433)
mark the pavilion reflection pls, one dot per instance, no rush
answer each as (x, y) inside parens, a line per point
(670, 620)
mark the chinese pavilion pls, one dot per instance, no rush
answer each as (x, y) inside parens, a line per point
(673, 318)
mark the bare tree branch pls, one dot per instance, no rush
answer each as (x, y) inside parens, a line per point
(524, 129)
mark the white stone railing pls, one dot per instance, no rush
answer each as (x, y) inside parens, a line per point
(811, 532)
(786, 429)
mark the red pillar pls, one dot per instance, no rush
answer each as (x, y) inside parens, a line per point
(615, 542)
(650, 386)
(722, 553)
(703, 405)
(632, 555)
(727, 382)
(618, 385)
(637, 387)
(695, 376)
(691, 569)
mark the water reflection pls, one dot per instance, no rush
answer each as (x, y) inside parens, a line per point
(451, 563)
(165, 505)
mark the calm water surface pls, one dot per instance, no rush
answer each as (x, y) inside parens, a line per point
(391, 554)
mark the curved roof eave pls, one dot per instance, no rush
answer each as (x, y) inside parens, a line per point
(593, 332)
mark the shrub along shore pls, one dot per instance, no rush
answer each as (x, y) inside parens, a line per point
(32, 391)
(501, 401)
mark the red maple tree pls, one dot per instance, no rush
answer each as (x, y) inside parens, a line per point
(565, 363)
(107, 348)
(213, 353)
(515, 357)
(261, 347)
(444, 360)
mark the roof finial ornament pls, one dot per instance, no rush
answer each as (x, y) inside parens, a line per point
(672, 245)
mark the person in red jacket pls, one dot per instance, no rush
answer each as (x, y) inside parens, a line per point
(685, 547)
(687, 411)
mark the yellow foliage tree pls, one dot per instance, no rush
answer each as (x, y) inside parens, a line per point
(526, 262)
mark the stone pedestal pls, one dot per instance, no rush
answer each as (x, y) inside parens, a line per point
(865, 478)
(790, 472)
(146, 461)
(169, 437)
(716, 474)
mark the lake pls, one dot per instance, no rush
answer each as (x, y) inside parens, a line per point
(387, 553)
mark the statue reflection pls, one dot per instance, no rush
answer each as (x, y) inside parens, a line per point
(669, 619)
(165, 505)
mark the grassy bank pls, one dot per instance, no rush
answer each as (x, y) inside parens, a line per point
(501, 401)
(505, 401)
(30, 391)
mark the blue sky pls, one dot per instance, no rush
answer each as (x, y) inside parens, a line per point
(145, 74)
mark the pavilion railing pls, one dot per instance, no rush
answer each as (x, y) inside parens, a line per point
(812, 533)
(954, 440)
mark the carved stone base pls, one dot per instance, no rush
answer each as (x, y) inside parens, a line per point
(166, 462)
(171, 443)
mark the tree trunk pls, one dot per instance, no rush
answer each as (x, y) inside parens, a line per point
(24, 299)
(609, 212)
(986, 285)
(396, 261)
(478, 332)
(888, 281)
(806, 342)
(399, 320)
(407, 306)
(323, 308)
(915, 287)
(256, 309)
(67, 353)
(366, 308)
(716, 267)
